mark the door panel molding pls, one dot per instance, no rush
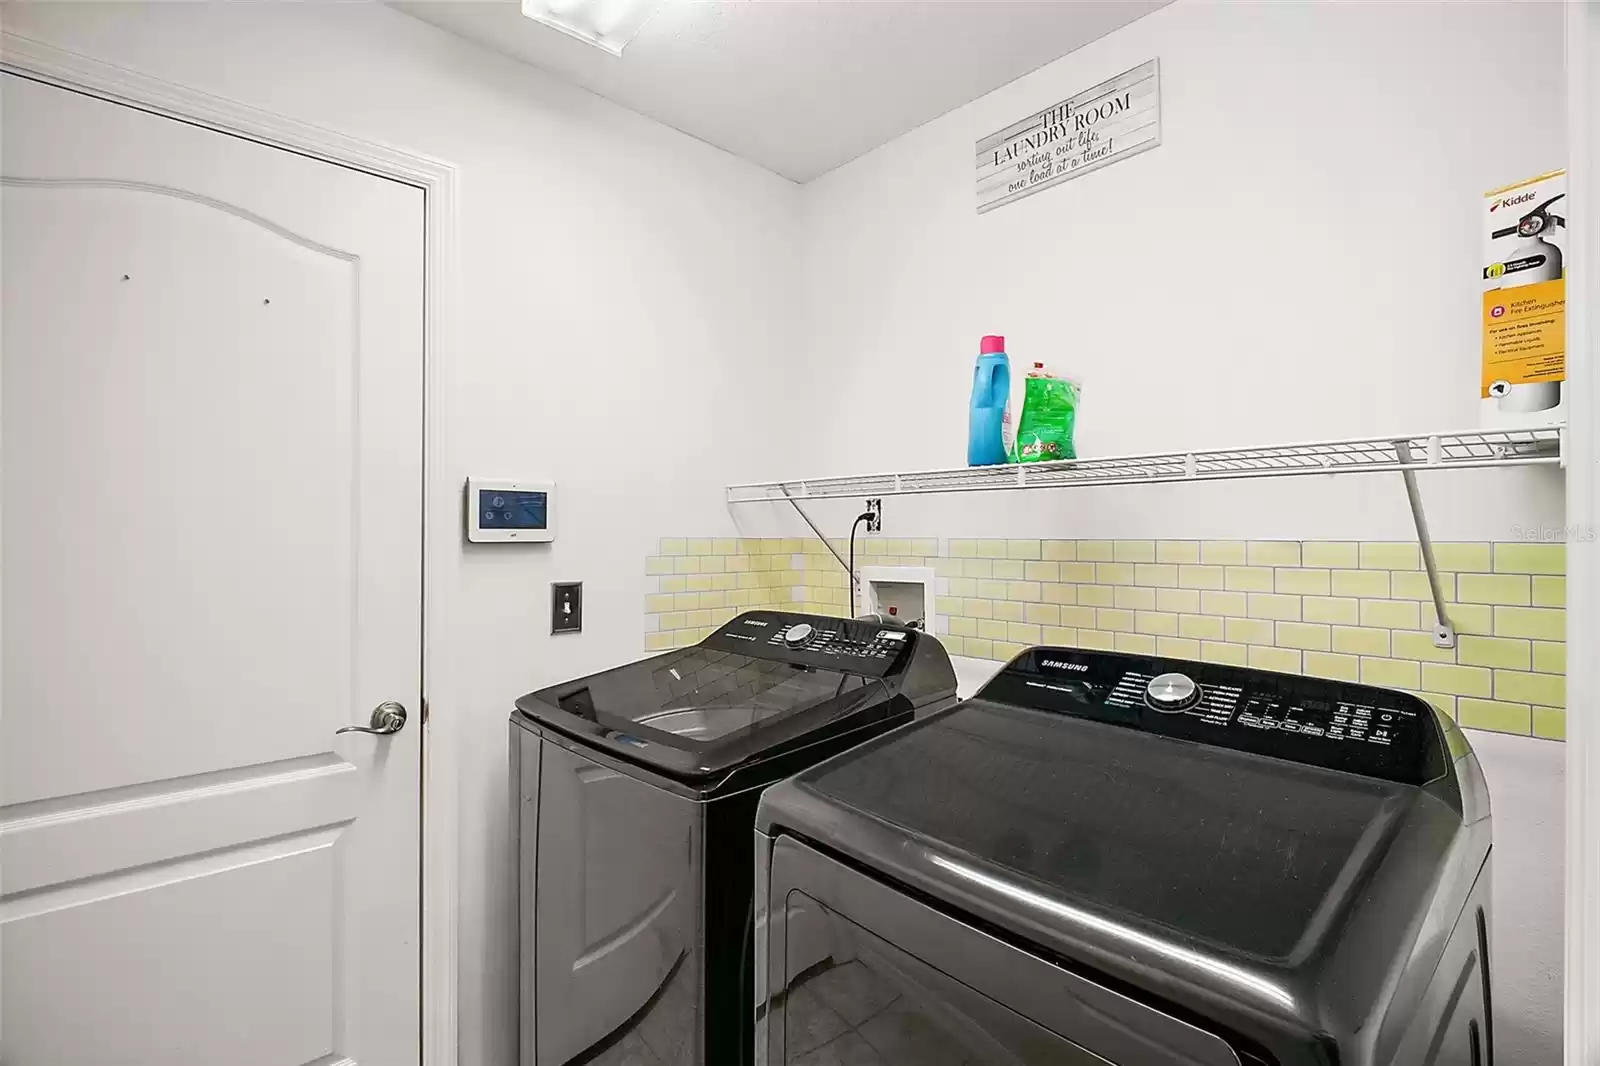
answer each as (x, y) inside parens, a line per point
(438, 181)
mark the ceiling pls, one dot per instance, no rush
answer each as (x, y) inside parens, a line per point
(799, 86)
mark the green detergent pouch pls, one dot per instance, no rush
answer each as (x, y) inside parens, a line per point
(1049, 410)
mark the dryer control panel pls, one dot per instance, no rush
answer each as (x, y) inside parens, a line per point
(1357, 728)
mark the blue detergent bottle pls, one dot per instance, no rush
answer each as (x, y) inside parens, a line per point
(989, 423)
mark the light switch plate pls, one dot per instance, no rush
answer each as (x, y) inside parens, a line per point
(566, 606)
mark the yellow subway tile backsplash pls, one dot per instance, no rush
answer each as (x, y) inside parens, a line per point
(1216, 652)
(1178, 647)
(1114, 620)
(1078, 572)
(1077, 617)
(1022, 549)
(1040, 571)
(1095, 595)
(1362, 583)
(1539, 623)
(1549, 591)
(1356, 641)
(1305, 635)
(1134, 598)
(1096, 551)
(1499, 652)
(1549, 690)
(1281, 659)
(1222, 552)
(1155, 574)
(1414, 585)
(1549, 657)
(1273, 606)
(1248, 631)
(1133, 551)
(1474, 558)
(1337, 667)
(1390, 555)
(1114, 573)
(1247, 578)
(1135, 643)
(1413, 644)
(1272, 552)
(1511, 589)
(1178, 551)
(1493, 715)
(1530, 558)
(1550, 723)
(1391, 614)
(1200, 577)
(1156, 623)
(1228, 604)
(1023, 590)
(1047, 614)
(1457, 680)
(1178, 601)
(1023, 632)
(1300, 582)
(1393, 673)
(1335, 609)
(1337, 554)
(1201, 627)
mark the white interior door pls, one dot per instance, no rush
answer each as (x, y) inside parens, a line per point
(211, 410)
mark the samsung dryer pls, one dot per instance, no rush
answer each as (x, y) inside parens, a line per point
(636, 794)
(1110, 858)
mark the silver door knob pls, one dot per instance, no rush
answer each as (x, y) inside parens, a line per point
(387, 717)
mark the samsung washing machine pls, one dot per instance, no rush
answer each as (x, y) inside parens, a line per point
(636, 793)
(1146, 862)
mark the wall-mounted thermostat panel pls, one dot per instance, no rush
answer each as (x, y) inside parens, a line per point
(515, 512)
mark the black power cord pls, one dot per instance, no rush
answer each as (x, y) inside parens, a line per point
(864, 516)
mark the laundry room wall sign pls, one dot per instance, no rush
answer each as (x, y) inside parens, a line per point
(1097, 127)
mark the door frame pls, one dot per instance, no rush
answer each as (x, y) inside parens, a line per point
(440, 499)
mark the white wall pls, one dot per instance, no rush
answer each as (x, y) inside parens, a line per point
(623, 290)
(1298, 260)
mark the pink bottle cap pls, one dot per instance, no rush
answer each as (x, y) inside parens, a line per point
(991, 344)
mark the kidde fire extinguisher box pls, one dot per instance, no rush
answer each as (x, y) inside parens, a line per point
(1524, 362)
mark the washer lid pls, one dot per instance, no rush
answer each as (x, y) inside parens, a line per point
(741, 694)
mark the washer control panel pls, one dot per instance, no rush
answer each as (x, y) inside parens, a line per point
(1358, 728)
(812, 640)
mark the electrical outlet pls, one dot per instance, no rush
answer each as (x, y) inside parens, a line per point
(875, 523)
(566, 607)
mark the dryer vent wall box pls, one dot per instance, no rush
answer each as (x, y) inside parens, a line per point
(510, 512)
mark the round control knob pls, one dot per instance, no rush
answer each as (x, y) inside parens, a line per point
(797, 635)
(1171, 693)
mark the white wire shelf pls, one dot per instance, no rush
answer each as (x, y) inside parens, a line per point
(1422, 451)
